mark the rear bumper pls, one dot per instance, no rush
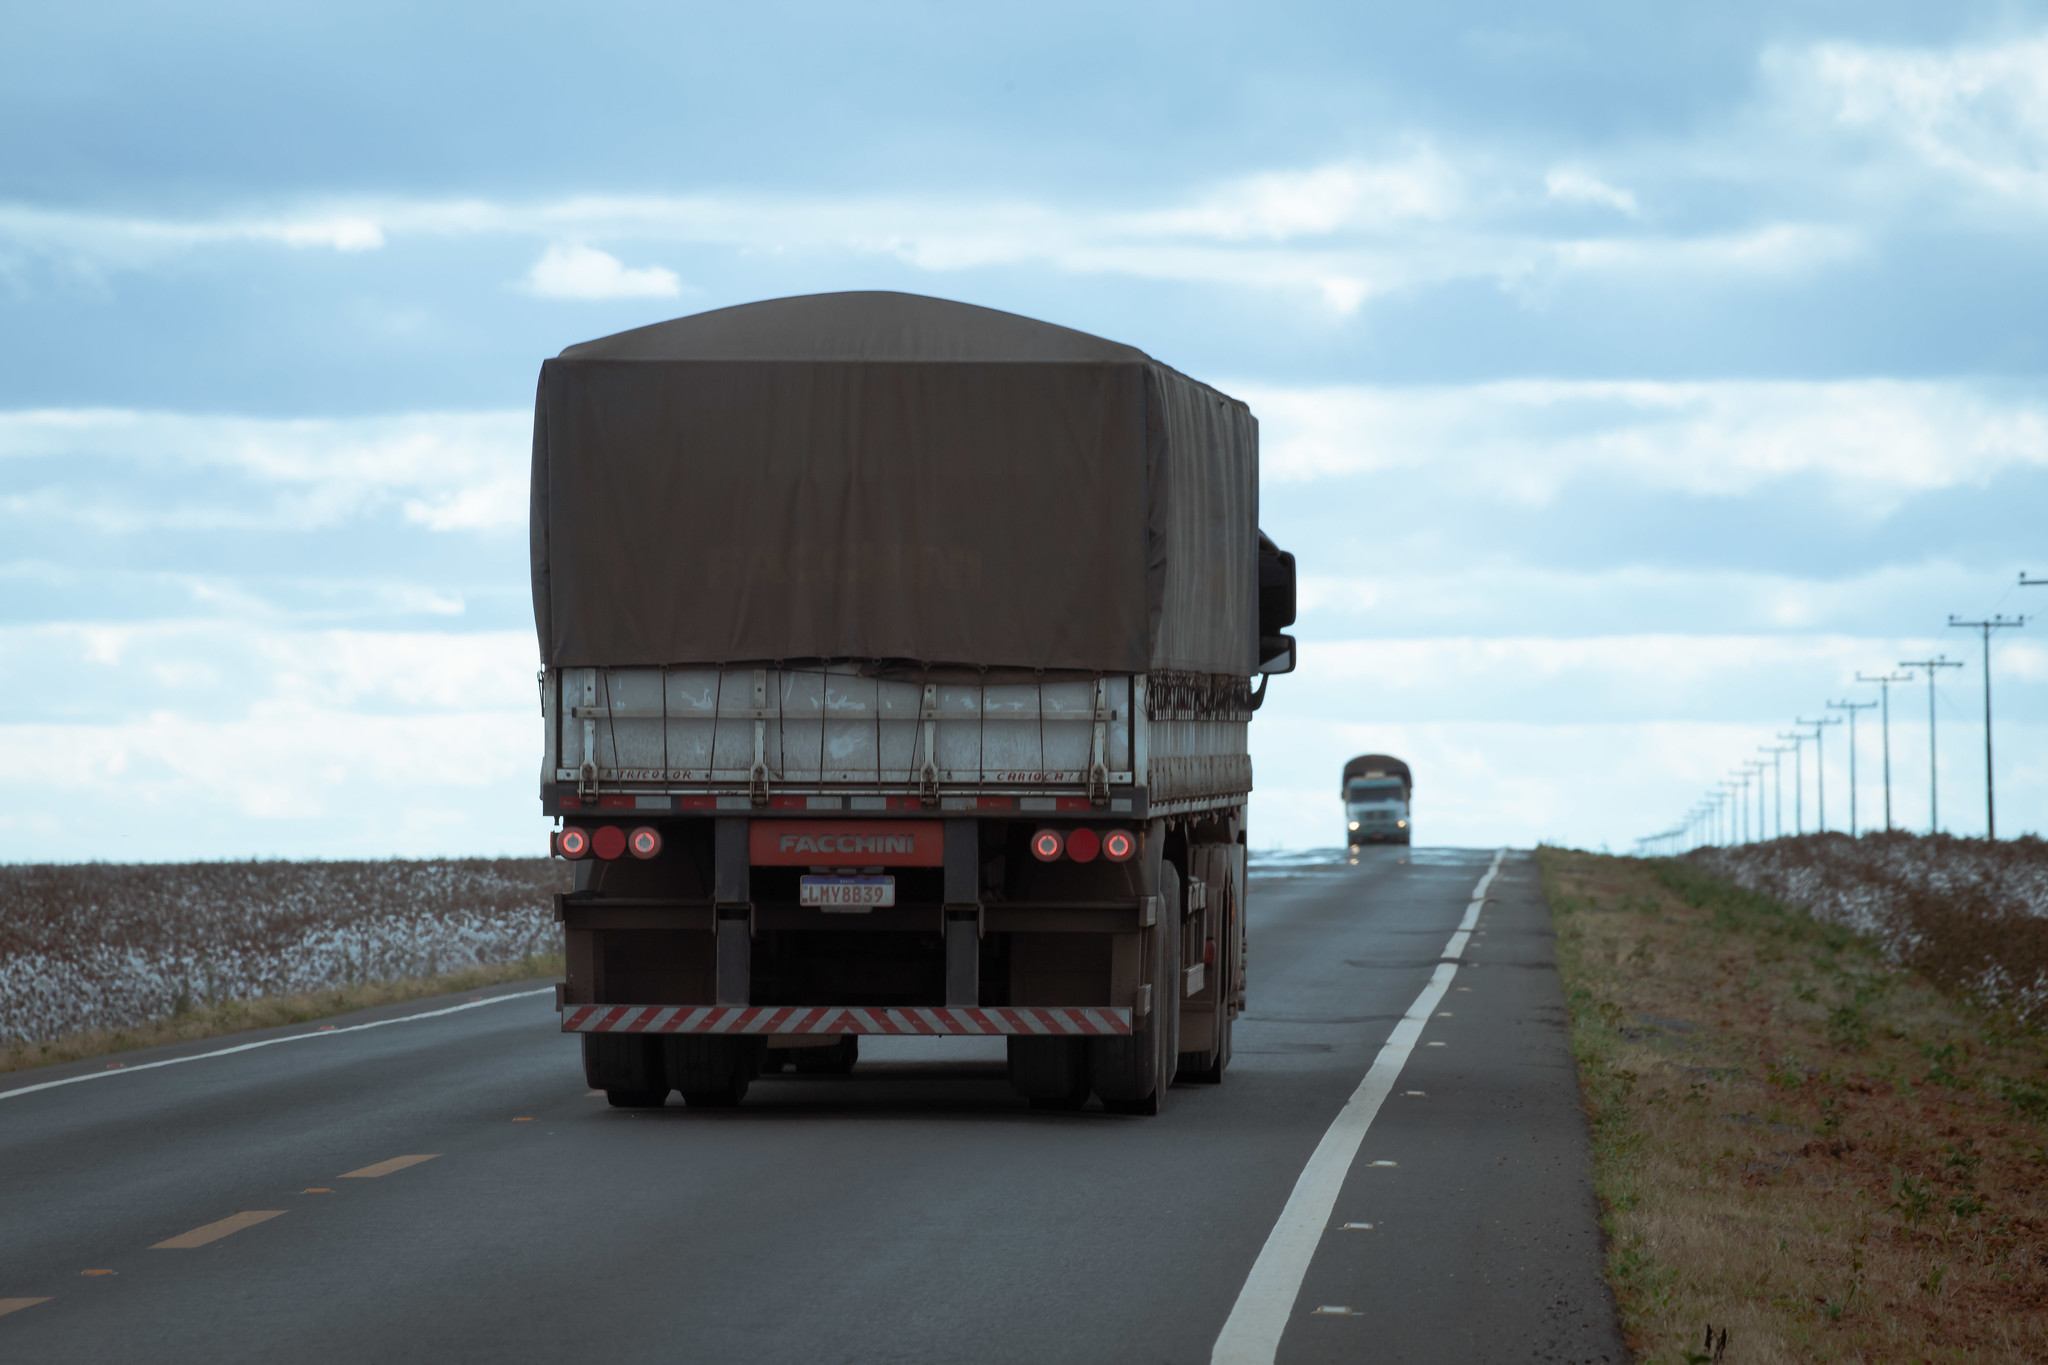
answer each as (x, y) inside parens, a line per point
(1077, 1021)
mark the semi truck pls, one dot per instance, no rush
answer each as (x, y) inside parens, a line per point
(898, 658)
(1378, 793)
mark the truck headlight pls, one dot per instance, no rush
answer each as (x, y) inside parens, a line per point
(1400, 824)
(1354, 824)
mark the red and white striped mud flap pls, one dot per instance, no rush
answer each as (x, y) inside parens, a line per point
(1046, 1020)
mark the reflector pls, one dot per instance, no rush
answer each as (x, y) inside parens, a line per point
(1082, 845)
(609, 842)
(644, 842)
(1046, 845)
(572, 843)
(1118, 845)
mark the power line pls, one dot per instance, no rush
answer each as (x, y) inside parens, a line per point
(1985, 628)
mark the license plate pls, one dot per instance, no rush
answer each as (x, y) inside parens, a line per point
(847, 895)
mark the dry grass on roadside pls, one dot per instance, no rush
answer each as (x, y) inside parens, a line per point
(237, 1016)
(1795, 1140)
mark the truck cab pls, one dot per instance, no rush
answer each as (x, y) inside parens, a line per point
(1377, 792)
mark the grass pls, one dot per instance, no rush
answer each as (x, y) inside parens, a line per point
(1795, 1141)
(235, 1016)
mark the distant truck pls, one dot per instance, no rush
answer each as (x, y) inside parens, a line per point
(898, 656)
(1377, 790)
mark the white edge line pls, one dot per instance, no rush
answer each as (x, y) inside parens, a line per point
(271, 1042)
(1251, 1335)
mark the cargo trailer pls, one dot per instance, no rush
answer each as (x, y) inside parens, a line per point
(899, 657)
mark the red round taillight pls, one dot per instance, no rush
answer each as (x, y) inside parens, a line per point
(609, 842)
(1046, 845)
(1118, 845)
(573, 843)
(644, 842)
(1083, 845)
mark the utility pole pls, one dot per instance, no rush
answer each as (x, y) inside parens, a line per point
(1986, 627)
(1798, 781)
(1757, 766)
(1933, 770)
(1777, 786)
(1884, 695)
(1852, 707)
(1820, 768)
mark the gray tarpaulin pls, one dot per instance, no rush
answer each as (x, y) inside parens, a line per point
(888, 476)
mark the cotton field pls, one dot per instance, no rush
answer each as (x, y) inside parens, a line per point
(1972, 914)
(108, 946)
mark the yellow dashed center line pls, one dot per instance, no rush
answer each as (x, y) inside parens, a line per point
(397, 1163)
(16, 1305)
(213, 1232)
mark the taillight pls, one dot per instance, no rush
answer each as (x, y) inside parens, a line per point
(609, 842)
(1118, 845)
(644, 842)
(1083, 845)
(572, 843)
(1046, 845)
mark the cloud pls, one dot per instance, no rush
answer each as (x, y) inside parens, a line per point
(445, 471)
(1319, 201)
(1580, 187)
(1876, 442)
(211, 738)
(1974, 112)
(582, 272)
(128, 242)
(1341, 232)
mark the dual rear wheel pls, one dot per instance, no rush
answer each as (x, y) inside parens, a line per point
(1130, 1072)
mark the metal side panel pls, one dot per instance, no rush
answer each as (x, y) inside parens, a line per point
(833, 726)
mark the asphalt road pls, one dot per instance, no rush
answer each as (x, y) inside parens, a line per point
(914, 1210)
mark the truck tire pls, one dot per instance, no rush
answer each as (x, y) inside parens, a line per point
(1204, 1065)
(835, 1058)
(629, 1063)
(1050, 1072)
(1131, 1073)
(712, 1072)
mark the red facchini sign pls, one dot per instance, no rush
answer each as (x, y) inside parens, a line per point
(865, 843)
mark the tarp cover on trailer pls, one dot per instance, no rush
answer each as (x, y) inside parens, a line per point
(1383, 764)
(889, 477)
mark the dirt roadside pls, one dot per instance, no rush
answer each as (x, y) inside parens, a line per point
(1795, 1143)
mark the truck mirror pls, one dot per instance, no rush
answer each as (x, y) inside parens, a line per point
(1276, 590)
(1276, 654)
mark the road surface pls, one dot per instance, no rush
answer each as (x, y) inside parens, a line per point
(443, 1187)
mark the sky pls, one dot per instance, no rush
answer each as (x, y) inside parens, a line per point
(1630, 378)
